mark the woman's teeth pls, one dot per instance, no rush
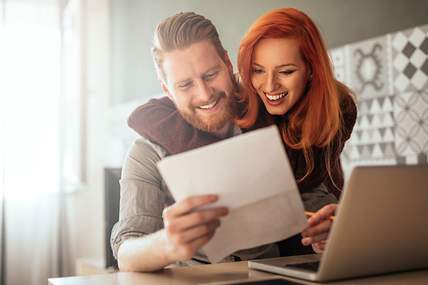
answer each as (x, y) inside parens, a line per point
(276, 97)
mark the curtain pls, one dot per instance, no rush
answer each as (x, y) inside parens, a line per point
(30, 167)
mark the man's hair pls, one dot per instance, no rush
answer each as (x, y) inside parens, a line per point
(179, 32)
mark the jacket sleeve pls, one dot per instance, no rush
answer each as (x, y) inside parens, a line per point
(317, 197)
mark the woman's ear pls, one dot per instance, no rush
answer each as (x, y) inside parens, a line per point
(309, 73)
(309, 79)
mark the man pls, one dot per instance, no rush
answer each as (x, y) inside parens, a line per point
(196, 74)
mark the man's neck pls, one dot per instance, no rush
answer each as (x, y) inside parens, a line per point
(226, 131)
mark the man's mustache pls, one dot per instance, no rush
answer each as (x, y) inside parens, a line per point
(215, 97)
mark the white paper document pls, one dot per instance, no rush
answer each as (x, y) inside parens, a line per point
(252, 176)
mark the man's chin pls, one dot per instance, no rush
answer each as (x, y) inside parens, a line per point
(213, 127)
(210, 125)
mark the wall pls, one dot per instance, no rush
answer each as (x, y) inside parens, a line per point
(341, 22)
(85, 208)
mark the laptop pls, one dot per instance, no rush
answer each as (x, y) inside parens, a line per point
(381, 226)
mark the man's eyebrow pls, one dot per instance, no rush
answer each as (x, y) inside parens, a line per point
(188, 80)
(182, 82)
(214, 68)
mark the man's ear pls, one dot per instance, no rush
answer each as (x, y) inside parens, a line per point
(227, 61)
(166, 90)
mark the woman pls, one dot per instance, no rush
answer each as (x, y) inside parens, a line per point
(287, 80)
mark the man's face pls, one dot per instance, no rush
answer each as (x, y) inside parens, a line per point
(200, 83)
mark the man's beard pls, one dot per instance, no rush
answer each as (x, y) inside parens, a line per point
(216, 121)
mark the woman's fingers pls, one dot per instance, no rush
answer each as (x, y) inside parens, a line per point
(319, 247)
(319, 228)
(323, 227)
(322, 214)
(315, 239)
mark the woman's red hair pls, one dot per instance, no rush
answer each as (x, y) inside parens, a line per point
(316, 118)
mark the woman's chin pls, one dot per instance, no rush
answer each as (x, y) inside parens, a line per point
(276, 110)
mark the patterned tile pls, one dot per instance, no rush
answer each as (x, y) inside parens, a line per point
(421, 158)
(411, 115)
(370, 67)
(374, 132)
(338, 59)
(410, 59)
(350, 163)
(389, 76)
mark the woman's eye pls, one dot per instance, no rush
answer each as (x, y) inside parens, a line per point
(257, 70)
(287, 72)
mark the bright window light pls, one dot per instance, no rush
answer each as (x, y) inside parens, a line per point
(30, 75)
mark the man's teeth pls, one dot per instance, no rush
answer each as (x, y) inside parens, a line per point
(276, 97)
(209, 106)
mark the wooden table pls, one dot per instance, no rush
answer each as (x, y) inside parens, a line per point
(203, 274)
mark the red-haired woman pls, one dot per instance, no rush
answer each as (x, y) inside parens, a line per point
(287, 79)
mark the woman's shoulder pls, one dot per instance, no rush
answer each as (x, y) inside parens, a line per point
(348, 103)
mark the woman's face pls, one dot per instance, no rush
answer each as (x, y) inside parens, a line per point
(279, 73)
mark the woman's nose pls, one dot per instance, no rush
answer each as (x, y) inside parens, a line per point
(271, 83)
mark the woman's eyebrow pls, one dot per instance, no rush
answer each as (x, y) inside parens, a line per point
(278, 66)
(286, 65)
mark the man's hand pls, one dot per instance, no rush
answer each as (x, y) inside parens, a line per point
(187, 229)
(316, 233)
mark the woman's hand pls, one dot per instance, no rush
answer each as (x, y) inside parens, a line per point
(316, 233)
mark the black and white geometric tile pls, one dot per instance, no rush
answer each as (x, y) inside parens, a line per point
(370, 67)
(372, 140)
(411, 116)
(339, 64)
(410, 59)
(389, 75)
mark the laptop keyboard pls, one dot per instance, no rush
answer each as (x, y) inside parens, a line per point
(310, 266)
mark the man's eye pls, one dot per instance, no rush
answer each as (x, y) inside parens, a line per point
(185, 85)
(211, 75)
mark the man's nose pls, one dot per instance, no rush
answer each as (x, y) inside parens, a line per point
(205, 92)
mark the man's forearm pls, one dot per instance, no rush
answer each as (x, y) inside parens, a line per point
(144, 254)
